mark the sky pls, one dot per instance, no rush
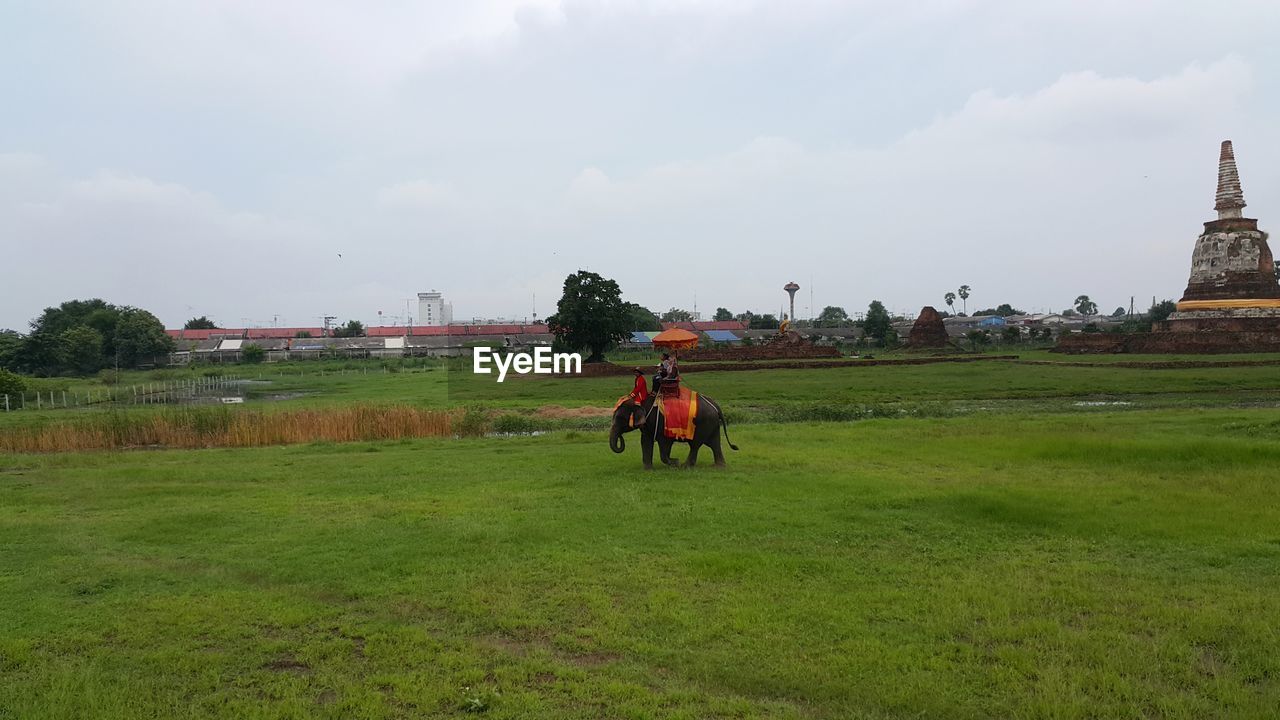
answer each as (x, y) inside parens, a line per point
(273, 163)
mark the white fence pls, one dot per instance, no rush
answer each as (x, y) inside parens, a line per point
(145, 394)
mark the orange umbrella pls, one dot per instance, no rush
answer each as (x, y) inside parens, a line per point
(675, 339)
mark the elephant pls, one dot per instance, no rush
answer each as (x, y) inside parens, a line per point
(642, 416)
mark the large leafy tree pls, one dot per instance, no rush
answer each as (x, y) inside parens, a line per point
(82, 336)
(722, 314)
(1085, 306)
(1161, 310)
(832, 316)
(590, 314)
(964, 297)
(677, 315)
(764, 322)
(10, 349)
(950, 298)
(44, 350)
(642, 318)
(877, 324)
(82, 350)
(200, 323)
(140, 337)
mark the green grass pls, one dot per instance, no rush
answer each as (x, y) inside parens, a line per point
(982, 542)
(1058, 566)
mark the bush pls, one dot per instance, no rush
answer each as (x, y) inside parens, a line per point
(11, 383)
(512, 424)
(252, 353)
(474, 422)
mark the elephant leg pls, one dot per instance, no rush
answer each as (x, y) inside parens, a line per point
(693, 454)
(646, 452)
(717, 452)
(664, 451)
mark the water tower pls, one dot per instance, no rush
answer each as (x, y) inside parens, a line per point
(791, 289)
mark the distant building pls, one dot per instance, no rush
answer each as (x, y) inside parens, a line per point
(433, 310)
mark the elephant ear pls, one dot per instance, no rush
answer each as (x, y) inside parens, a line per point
(637, 415)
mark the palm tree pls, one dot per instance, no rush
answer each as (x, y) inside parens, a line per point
(964, 296)
(951, 302)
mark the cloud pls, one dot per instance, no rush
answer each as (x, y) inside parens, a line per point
(1031, 198)
(418, 194)
(221, 155)
(133, 240)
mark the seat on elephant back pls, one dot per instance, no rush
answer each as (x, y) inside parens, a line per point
(669, 386)
(678, 407)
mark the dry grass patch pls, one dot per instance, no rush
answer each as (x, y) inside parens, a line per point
(222, 427)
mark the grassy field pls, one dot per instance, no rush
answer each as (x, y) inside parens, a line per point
(991, 544)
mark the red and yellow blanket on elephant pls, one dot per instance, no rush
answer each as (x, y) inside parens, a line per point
(678, 411)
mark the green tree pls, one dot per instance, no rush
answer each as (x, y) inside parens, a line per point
(1161, 311)
(10, 349)
(82, 350)
(642, 318)
(200, 323)
(950, 298)
(350, 329)
(140, 337)
(11, 384)
(590, 314)
(877, 324)
(44, 352)
(1003, 310)
(833, 316)
(745, 317)
(676, 315)
(1011, 334)
(253, 353)
(764, 322)
(978, 338)
(1119, 312)
(1085, 306)
(964, 297)
(722, 314)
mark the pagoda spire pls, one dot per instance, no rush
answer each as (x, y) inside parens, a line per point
(1230, 198)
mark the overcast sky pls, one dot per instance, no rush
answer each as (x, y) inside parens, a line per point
(216, 158)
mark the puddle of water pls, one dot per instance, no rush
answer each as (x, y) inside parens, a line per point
(531, 433)
(1100, 403)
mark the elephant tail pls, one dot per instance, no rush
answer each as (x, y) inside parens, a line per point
(724, 425)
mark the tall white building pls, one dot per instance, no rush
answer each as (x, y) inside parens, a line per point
(433, 310)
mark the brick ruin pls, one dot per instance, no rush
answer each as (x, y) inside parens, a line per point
(928, 332)
(1232, 300)
(1233, 282)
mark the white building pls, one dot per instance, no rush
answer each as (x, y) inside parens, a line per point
(433, 310)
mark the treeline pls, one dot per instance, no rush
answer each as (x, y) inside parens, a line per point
(81, 337)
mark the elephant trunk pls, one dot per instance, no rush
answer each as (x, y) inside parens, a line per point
(616, 442)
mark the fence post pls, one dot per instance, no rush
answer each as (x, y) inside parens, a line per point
(64, 398)
(39, 401)
(6, 402)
